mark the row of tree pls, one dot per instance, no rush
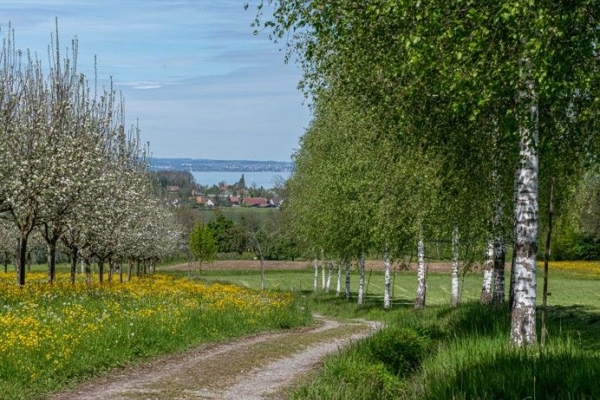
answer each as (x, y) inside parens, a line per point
(70, 170)
(432, 119)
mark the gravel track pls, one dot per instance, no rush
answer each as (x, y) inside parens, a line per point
(251, 368)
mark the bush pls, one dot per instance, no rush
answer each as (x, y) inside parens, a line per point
(401, 350)
(575, 246)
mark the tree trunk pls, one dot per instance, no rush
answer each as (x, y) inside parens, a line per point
(322, 270)
(546, 260)
(74, 256)
(22, 258)
(454, 290)
(421, 275)
(499, 250)
(262, 271)
(511, 289)
(339, 280)
(120, 271)
(488, 274)
(100, 271)
(6, 262)
(387, 298)
(130, 268)
(88, 273)
(329, 276)
(316, 284)
(361, 279)
(347, 280)
(51, 248)
(111, 267)
(498, 275)
(523, 330)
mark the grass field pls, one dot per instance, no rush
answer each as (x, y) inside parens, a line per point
(575, 283)
(54, 335)
(445, 353)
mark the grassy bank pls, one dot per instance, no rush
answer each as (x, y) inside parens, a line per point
(463, 353)
(54, 335)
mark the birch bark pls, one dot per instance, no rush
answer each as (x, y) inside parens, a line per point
(488, 266)
(421, 275)
(316, 283)
(523, 326)
(454, 290)
(347, 280)
(338, 290)
(329, 275)
(387, 302)
(322, 270)
(361, 280)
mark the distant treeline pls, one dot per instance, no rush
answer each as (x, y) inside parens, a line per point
(183, 179)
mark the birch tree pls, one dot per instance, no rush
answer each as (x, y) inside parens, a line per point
(487, 61)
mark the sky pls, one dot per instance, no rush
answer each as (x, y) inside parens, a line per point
(191, 72)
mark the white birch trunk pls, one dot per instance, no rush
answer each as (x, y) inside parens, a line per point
(361, 279)
(323, 271)
(347, 280)
(488, 266)
(421, 275)
(523, 330)
(329, 275)
(339, 280)
(511, 289)
(387, 298)
(316, 284)
(499, 249)
(499, 266)
(454, 290)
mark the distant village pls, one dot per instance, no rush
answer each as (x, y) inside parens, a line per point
(226, 199)
(179, 188)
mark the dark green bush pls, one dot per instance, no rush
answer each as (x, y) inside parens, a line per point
(401, 350)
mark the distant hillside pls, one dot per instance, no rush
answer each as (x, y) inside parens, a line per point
(199, 164)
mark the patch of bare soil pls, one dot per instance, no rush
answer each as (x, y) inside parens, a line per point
(374, 265)
(254, 367)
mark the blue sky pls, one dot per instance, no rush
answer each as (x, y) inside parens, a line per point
(191, 71)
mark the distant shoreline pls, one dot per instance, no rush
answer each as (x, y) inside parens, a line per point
(205, 165)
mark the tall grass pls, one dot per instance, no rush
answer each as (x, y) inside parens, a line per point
(464, 353)
(461, 353)
(51, 335)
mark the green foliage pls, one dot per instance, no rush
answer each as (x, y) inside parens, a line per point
(202, 244)
(401, 350)
(222, 230)
(576, 246)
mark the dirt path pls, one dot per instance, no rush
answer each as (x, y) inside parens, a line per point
(376, 265)
(255, 367)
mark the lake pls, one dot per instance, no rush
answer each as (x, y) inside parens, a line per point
(265, 179)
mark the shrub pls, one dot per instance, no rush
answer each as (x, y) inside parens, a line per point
(401, 350)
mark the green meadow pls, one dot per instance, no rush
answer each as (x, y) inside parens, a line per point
(451, 353)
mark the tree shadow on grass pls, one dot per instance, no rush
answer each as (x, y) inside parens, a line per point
(518, 374)
(580, 324)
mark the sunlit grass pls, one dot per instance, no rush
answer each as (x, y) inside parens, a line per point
(579, 267)
(51, 334)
